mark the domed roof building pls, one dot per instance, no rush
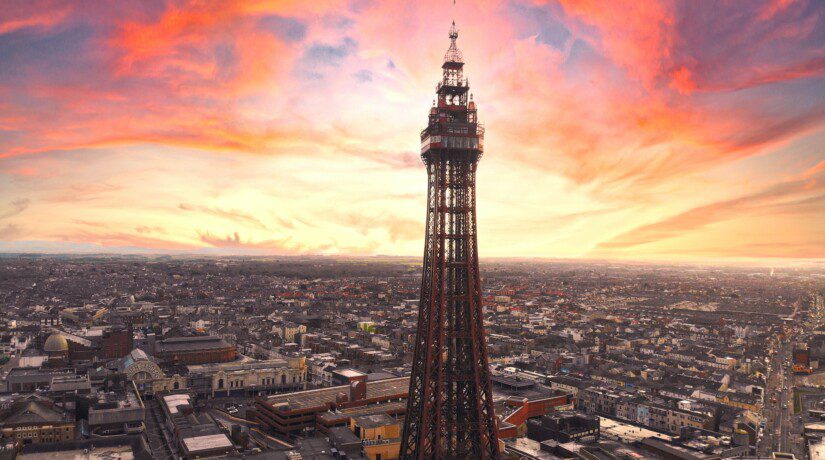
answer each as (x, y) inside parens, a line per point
(56, 343)
(57, 347)
(139, 368)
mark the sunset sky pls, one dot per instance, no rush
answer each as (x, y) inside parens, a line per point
(660, 130)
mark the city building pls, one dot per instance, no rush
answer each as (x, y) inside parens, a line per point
(564, 427)
(199, 349)
(291, 413)
(34, 420)
(380, 435)
(196, 434)
(249, 378)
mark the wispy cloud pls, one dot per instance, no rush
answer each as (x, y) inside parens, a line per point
(10, 232)
(802, 197)
(277, 246)
(16, 207)
(229, 214)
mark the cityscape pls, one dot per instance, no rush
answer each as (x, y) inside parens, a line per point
(261, 355)
(212, 219)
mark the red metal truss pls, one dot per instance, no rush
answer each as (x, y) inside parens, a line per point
(450, 407)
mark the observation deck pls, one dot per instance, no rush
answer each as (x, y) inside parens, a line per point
(453, 135)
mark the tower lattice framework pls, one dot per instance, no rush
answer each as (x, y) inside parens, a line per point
(450, 408)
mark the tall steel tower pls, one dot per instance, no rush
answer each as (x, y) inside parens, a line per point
(450, 407)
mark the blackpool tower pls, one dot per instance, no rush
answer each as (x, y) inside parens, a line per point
(450, 406)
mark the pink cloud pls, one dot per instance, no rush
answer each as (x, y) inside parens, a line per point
(27, 15)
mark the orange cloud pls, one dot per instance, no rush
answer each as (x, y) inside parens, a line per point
(184, 47)
(637, 35)
(682, 80)
(793, 197)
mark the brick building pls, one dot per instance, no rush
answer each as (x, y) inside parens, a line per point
(201, 349)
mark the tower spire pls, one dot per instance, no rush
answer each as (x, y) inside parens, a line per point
(453, 53)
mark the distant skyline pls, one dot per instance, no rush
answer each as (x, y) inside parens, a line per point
(658, 130)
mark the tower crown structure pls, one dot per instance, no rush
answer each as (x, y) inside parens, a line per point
(453, 121)
(450, 407)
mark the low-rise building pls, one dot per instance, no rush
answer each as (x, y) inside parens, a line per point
(290, 413)
(116, 412)
(33, 420)
(564, 427)
(250, 378)
(195, 434)
(380, 436)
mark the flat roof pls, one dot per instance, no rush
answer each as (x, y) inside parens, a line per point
(98, 453)
(676, 451)
(512, 382)
(173, 401)
(343, 435)
(41, 371)
(816, 450)
(208, 442)
(349, 373)
(374, 420)
(35, 375)
(206, 342)
(32, 361)
(627, 431)
(238, 365)
(381, 408)
(324, 396)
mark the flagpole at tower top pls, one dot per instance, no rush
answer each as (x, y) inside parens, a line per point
(453, 15)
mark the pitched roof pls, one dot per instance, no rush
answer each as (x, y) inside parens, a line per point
(34, 412)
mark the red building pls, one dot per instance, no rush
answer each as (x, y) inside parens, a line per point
(116, 343)
(802, 356)
(200, 349)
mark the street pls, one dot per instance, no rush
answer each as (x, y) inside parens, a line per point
(155, 432)
(782, 432)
